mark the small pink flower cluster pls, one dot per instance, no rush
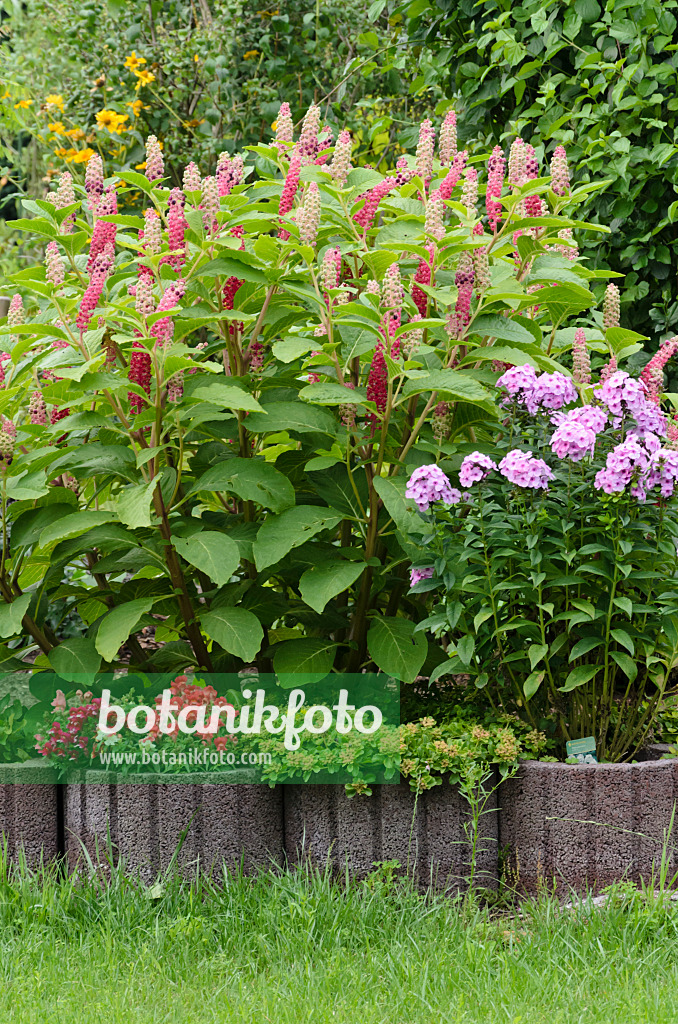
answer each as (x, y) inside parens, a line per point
(155, 165)
(71, 743)
(525, 470)
(653, 372)
(425, 147)
(139, 373)
(548, 391)
(103, 235)
(99, 272)
(308, 215)
(475, 468)
(447, 146)
(163, 329)
(429, 484)
(417, 575)
(94, 180)
(340, 167)
(365, 217)
(495, 182)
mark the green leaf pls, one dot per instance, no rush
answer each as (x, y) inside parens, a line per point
(517, 357)
(482, 616)
(237, 630)
(333, 485)
(323, 582)
(72, 525)
(251, 480)
(116, 627)
(391, 490)
(293, 348)
(532, 684)
(626, 664)
(578, 676)
(134, 504)
(625, 604)
(279, 534)
(310, 657)
(623, 638)
(75, 660)
(535, 653)
(465, 649)
(225, 396)
(332, 394)
(11, 616)
(448, 382)
(503, 328)
(231, 266)
(396, 648)
(583, 647)
(294, 416)
(213, 553)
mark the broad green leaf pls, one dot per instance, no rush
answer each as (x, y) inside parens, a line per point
(293, 348)
(72, 525)
(116, 627)
(231, 266)
(134, 504)
(11, 616)
(448, 382)
(503, 328)
(294, 416)
(532, 683)
(623, 638)
(396, 648)
(465, 649)
(626, 664)
(225, 396)
(213, 553)
(530, 355)
(482, 616)
(251, 480)
(578, 676)
(323, 582)
(536, 652)
(402, 510)
(333, 485)
(310, 657)
(332, 394)
(625, 604)
(279, 534)
(582, 647)
(237, 630)
(75, 660)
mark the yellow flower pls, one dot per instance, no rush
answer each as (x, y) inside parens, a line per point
(143, 78)
(196, 58)
(83, 156)
(57, 128)
(140, 167)
(67, 154)
(133, 62)
(250, 55)
(137, 106)
(24, 104)
(75, 133)
(274, 126)
(55, 100)
(111, 120)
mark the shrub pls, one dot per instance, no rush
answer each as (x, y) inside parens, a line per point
(207, 431)
(557, 563)
(598, 76)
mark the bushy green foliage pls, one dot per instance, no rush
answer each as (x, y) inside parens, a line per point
(599, 77)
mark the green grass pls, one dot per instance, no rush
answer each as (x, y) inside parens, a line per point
(288, 948)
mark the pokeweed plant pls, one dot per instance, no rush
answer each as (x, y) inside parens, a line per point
(557, 563)
(209, 407)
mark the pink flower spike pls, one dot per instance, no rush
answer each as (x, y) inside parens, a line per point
(495, 183)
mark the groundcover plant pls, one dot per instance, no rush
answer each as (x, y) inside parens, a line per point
(211, 407)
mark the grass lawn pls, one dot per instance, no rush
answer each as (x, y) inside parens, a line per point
(286, 948)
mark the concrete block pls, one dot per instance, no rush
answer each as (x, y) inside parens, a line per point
(426, 836)
(585, 826)
(29, 811)
(143, 822)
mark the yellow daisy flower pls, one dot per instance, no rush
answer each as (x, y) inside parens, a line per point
(250, 55)
(23, 104)
(143, 78)
(82, 156)
(133, 62)
(57, 128)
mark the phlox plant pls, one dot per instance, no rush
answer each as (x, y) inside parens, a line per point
(554, 559)
(211, 406)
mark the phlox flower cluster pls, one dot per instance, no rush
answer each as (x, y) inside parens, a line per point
(428, 484)
(417, 575)
(525, 470)
(546, 391)
(474, 468)
(625, 465)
